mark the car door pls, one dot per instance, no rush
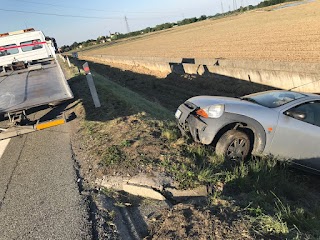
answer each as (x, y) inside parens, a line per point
(299, 138)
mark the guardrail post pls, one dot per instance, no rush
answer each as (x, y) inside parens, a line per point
(92, 87)
(68, 62)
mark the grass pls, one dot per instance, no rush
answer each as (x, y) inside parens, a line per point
(112, 155)
(266, 192)
(277, 201)
(130, 98)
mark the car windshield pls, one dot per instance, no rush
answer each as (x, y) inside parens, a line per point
(273, 99)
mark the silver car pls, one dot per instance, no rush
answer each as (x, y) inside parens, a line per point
(284, 124)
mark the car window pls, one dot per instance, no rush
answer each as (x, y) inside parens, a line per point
(312, 112)
(31, 45)
(273, 99)
(8, 50)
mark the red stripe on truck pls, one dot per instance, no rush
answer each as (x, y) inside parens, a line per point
(22, 45)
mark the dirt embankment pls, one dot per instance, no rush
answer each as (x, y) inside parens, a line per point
(256, 200)
(128, 135)
(288, 34)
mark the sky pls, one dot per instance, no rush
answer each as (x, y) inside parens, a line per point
(71, 21)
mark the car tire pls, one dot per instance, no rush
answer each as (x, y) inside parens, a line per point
(233, 145)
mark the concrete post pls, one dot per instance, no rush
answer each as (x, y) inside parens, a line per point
(92, 87)
(68, 61)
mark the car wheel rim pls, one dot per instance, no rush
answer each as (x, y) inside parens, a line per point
(237, 150)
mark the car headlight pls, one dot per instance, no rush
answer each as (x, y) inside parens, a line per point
(214, 111)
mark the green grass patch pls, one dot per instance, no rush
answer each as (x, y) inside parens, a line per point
(112, 155)
(130, 98)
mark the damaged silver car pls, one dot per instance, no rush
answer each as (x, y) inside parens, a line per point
(284, 124)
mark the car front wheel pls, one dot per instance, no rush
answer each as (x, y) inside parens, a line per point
(233, 145)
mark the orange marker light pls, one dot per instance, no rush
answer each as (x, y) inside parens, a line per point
(270, 129)
(202, 113)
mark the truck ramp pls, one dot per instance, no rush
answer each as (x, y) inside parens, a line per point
(31, 87)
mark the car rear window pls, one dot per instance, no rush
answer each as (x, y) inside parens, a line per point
(273, 99)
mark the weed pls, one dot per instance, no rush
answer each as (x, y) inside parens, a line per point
(169, 130)
(297, 216)
(206, 174)
(112, 155)
(170, 134)
(90, 127)
(267, 225)
(126, 143)
(112, 215)
(198, 153)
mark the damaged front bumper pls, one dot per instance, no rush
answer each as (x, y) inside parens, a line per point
(189, 123)
(201, 129)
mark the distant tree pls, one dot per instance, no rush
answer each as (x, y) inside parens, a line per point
(203, 17)
(187, 21)
(74, 45)
(65, 48)
(101, 39)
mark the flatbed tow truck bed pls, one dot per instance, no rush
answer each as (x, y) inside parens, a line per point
(38, 85)
(31, 87)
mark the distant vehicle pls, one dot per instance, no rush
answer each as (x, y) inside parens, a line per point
(30, 76)
(284, 124)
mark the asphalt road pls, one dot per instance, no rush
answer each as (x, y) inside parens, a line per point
(39, 196)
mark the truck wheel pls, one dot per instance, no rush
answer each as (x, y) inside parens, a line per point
(233, 145)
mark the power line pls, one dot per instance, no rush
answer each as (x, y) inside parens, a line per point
(88, 9)
(57, 5)
(55, 14)
(73, 16)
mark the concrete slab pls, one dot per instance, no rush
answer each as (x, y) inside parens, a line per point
(143, 191)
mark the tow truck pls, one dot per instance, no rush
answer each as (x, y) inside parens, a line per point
(30, 77)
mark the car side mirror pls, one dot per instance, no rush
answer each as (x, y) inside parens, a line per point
(296, 114)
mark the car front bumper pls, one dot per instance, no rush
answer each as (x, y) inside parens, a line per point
(202, 130)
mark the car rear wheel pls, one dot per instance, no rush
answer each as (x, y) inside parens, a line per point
(233, 145)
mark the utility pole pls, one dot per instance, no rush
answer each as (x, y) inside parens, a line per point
(127, 24)
(222, 7)
(234, 5)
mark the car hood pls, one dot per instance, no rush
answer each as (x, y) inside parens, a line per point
(238, 106)
(204, 101)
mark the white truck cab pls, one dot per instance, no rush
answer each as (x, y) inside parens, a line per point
(27, 46)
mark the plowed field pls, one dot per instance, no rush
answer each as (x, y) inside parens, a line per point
(287, 34)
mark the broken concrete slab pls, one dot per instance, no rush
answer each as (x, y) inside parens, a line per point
(157, 181)
(201, 191)
(144, 180)
(113, 182)
(143, 191)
